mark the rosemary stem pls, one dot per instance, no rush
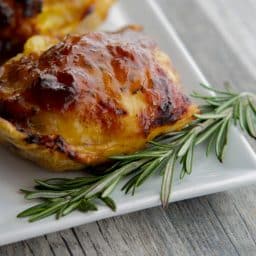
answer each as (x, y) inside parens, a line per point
(163, 155)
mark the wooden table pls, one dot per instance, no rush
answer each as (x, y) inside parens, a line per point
(221, 36)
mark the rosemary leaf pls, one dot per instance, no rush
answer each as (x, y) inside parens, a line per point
(226, 105)
(33, 210)
(242, 116)
(251, 122)
(147, 172)
(71, 207)
(221, 139)
(110, 188)
(205, 134)
(167, 180)
(109, 202)
(183, 150)
(210, 116)
(46, 194)
(46, 212)
(189, 157)
(252, 105)
(211, 142)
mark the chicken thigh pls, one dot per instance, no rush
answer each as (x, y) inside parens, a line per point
(90, 97)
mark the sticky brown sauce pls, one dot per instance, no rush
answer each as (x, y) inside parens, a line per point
(87, 75)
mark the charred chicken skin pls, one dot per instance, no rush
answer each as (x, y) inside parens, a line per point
(21, 19)
(90, 97)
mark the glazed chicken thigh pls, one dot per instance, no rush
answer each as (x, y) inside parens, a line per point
(21, 19)
(90, 97)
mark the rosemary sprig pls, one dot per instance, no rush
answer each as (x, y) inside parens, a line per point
(211, 125)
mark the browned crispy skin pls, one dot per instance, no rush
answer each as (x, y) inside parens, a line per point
(94, 95)
(21, 19)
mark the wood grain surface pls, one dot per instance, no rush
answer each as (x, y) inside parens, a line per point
(221, 36)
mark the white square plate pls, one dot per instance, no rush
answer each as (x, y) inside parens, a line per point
(209, 175)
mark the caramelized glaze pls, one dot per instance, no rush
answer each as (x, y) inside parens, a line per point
(94, 95)
(87, 76)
